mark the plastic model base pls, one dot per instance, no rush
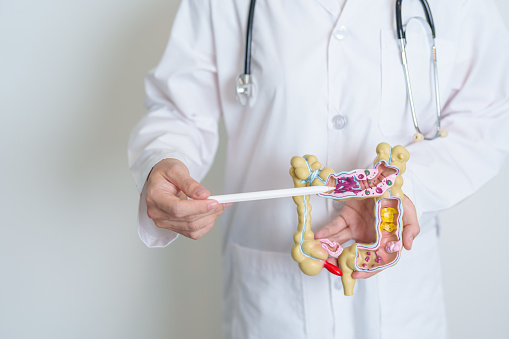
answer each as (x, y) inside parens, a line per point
(383, 183)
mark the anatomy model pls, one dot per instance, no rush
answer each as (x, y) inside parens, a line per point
(382, 183)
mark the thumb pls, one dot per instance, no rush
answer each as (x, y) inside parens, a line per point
(192, 188)
(179, 176)
(411, 226)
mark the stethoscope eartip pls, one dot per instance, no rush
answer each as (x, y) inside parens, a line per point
(443, 133)
(418, 137)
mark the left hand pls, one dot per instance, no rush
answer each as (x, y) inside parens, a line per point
(356, 222)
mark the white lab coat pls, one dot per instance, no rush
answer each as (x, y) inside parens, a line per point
(316, 64)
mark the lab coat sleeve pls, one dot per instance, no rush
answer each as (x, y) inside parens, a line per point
(183, 110)
(443, 172)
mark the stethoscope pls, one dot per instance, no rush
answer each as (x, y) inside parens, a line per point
(244, 84)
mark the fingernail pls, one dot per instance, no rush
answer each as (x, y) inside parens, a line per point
(228, 204)
(200, 191)
(213, 205)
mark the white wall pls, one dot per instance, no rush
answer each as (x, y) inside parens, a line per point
(475, 277)
(71, 264)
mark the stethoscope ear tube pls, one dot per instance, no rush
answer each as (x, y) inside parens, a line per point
(399, 19)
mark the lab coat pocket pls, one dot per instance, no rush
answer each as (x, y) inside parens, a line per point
(395, 113)
(268, 300)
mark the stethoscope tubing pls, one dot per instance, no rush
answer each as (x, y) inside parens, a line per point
(402, 40)
(244, 82)
(399, 19)
(249, 38)
(399, 27)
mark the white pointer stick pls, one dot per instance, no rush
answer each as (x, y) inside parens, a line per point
(288, 192)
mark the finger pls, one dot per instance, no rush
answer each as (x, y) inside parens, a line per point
(189, 228)
(178, 175)
(335, 226)
(195, 217)
(411, 226)
(186, 228)
(410, 232)
(363, 275)
(194, 234)
(178, 208)
(200, 233)
(343, 236)
(156, 213)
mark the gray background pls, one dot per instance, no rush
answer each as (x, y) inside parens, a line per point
(71, 264)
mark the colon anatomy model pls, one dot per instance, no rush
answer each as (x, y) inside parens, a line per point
(382, 183)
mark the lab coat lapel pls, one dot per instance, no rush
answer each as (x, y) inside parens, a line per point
(347, 9)
(351, 9)
(331, 6)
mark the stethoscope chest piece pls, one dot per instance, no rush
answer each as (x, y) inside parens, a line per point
(243, 88)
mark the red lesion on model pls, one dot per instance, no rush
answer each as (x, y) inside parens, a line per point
(332, 268)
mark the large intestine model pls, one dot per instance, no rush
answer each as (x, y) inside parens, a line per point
(383, 183)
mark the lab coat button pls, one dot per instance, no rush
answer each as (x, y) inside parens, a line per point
(337, 284)
(339, 121)
(340, 33)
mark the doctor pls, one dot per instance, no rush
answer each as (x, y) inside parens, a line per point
(327, 80)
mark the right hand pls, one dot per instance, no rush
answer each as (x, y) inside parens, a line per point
(355, 222)
(169, 186)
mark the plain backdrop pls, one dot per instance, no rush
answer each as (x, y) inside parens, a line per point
(71, 263)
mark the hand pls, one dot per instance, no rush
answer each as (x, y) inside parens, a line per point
(169, 185)
(356, 222)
